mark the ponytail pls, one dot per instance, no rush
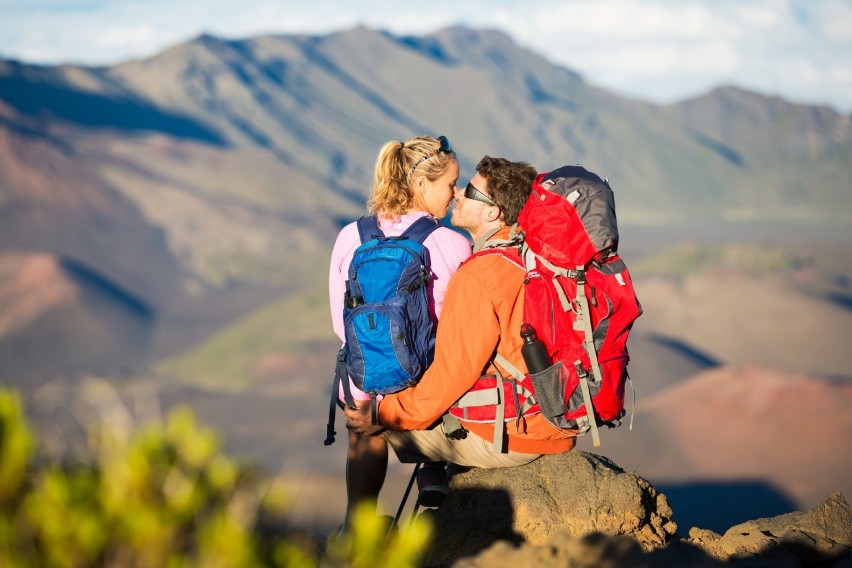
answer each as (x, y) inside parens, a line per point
(393, 176)
(391, 194)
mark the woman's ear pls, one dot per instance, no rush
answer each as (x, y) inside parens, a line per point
(421, 184)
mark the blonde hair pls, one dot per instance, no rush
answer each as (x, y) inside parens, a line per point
(398, 167)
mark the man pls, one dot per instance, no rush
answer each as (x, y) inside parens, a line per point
(482, 314)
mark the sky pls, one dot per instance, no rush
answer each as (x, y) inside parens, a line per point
(661, 51)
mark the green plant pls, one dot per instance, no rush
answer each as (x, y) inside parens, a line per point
(369, 545)
(161, 496)
(15, 445)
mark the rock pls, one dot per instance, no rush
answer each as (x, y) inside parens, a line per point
(582, 510)
(574, 494)
(818, 537)
(592, 551)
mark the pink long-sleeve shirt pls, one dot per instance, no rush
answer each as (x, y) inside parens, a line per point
(447, 250)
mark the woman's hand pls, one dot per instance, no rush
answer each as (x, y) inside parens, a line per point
(360, 420)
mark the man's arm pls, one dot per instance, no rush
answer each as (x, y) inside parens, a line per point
(468, 333)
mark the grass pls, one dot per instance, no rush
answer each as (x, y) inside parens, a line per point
(690, 258)
(288, 325)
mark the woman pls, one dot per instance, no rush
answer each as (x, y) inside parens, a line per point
(411, 180)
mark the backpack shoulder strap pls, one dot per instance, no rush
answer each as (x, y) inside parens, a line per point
(421, 228)
(516, 238)
(368, 228)
(510, 253)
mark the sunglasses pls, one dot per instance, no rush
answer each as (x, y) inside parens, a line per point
(445, 147)
(470, 192)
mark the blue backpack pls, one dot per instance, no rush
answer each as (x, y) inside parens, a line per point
(389, 335)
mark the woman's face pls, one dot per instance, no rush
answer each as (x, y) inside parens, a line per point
(438, 194)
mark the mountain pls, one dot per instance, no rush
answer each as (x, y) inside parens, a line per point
(211, 179)
(52, 306)
(749, 304)
(738, 367)
(166, 223)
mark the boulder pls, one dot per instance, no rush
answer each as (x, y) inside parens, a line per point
(573, 494)
(582, 510)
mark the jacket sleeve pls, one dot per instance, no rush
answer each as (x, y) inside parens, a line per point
(467, 335)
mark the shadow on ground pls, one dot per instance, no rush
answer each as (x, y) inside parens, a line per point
(718, 506)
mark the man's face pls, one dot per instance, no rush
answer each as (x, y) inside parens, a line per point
(470, 214)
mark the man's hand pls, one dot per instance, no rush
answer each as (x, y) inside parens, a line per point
(360, 420)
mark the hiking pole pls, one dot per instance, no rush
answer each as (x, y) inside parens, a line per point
(405, 497)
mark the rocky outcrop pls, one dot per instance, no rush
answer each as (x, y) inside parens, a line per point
(575, 493)
(818, 537)
(579, 509)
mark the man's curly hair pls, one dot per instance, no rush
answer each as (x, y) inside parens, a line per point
(509, 184)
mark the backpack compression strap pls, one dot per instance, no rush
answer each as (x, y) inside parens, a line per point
(582, 322)
(340, 377)
(499, 420)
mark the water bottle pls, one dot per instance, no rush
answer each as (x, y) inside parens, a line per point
(533, 351)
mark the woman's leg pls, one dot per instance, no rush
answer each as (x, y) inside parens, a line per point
(366, 467)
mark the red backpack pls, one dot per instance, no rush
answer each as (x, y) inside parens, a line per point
(580, 303)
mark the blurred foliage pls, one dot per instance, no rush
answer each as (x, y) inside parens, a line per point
(164, 496)
(369, 543)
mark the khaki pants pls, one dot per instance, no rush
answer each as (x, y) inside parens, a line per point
(412, 446)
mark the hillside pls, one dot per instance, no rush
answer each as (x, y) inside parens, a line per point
(166, 224)
(52, 306)
(211, 178)
(738, 366)
(749, 304)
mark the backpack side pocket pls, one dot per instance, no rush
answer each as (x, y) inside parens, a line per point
(549, 386)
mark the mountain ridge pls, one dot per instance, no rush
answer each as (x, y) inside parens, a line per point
(187, 204)
(234, 162)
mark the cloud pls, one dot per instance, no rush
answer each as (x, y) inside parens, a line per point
(664, 51)
(623, 20)
(835, 21)
(127, 38)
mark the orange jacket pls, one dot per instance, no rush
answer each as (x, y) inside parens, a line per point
(483, 312)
